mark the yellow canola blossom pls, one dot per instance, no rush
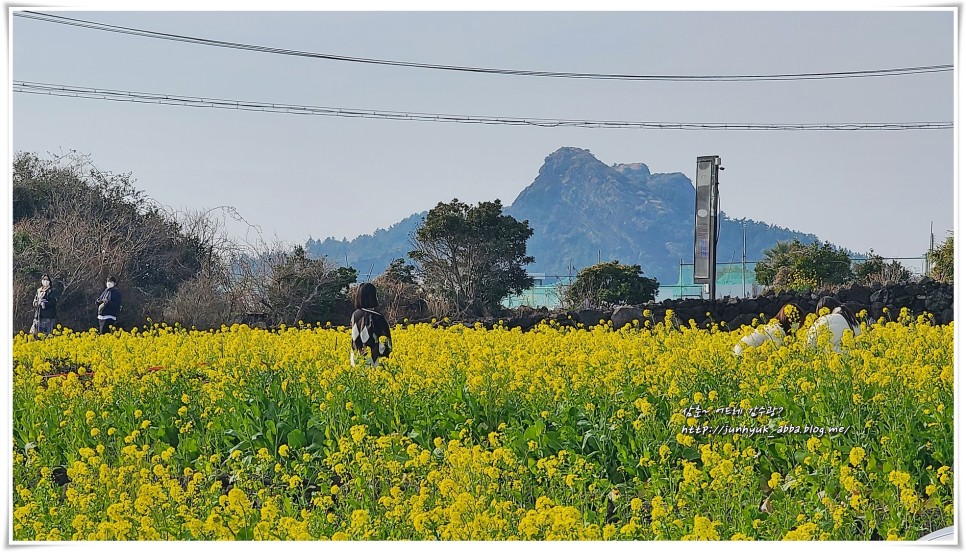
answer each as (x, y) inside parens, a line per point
(475, 434)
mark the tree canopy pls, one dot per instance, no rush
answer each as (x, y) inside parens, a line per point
(874, 269)
(942, 261)
(798, 266)
(302, 289)
(472, 257)
(611, 283)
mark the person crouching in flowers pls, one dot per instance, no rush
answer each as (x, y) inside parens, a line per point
(787, 321)
(836, 318)
(369, 328)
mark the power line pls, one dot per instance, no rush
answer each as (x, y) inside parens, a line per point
(519, 72)
(244, 105)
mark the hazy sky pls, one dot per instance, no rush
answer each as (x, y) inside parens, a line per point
(299, 176)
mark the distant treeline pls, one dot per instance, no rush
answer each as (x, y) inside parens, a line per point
(79, 225)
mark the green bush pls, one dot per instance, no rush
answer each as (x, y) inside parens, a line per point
(606, 284)
(808, 266)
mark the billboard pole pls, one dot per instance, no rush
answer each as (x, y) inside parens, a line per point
(714, 237)
(706, 223)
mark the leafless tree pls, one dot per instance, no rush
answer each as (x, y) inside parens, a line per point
(400, 296)
(80, 225)
(213, 295)
(294, 287)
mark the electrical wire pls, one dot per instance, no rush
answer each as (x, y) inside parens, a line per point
(244, 105)
(519, 72)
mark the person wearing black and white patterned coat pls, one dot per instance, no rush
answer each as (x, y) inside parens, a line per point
(369, 328)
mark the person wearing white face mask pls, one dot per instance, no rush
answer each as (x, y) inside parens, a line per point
(45, 308)
(108, 306)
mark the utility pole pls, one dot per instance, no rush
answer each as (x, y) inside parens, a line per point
(744, 240)
(681, 278)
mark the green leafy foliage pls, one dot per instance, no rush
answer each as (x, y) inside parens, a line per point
(399, 271)
(799, 266)
(875, 269)
(472, 257)
(942, 261)
(272, 415)
(610, 283)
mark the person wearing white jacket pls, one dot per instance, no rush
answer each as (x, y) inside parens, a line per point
(786, 322)
(836, 322)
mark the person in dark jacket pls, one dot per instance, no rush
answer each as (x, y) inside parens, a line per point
(45, 308)
(108, 306)
(369, 328)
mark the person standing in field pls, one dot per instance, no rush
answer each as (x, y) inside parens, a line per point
(45, 308)
(369, 328)
(108, 306)
(787, 322)
(836, 318)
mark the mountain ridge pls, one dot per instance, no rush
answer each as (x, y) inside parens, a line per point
(581, 208)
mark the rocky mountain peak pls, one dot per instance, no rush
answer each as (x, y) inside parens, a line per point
(637, 171)
(580, 209)
(568, 162)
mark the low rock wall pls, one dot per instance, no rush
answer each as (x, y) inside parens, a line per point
(925, 296)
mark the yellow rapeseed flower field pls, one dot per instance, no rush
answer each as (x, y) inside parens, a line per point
(473, 433)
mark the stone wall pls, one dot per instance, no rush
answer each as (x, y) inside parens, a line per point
(926, 295)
